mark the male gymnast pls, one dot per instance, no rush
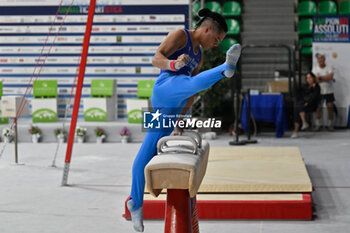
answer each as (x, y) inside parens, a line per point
(180, 58)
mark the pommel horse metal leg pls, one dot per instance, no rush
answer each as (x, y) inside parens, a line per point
(179, 167)
(178, 217)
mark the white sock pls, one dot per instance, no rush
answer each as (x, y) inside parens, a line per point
(136, 216)
(330, 123)
(317, 122)
(232, 56)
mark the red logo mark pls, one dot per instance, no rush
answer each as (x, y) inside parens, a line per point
(113, 9)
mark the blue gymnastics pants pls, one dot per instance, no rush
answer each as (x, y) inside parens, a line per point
(170, 94)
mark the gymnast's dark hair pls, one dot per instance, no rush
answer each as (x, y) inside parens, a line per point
(205, 13)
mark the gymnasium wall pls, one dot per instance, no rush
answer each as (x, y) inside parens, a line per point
(124, 39)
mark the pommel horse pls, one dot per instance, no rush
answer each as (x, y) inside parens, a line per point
(179, 167)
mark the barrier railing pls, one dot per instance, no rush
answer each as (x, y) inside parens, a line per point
(291, 63)
(300, 68)
(237, 84)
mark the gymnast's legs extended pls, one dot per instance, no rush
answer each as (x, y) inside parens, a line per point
(170, 94)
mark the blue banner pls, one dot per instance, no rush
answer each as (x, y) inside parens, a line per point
(331, 29)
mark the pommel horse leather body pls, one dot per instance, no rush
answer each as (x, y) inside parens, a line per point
(179, 167)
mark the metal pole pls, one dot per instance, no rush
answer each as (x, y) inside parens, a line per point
(300, 66)
(248, 113)
(202, 3)
(290, 71)
(16, 140)
(78, 89)
(237, 115)
(178, 211)
(248, 120)
(237, 89)
(294, 70)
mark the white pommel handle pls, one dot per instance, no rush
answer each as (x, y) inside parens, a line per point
(163, 147)
(196, 136)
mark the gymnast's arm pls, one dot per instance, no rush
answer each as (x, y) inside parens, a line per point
(174, 41)
(190, 100)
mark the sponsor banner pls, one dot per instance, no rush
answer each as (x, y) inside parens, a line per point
(138, 39)
(3, 120)
(63, 101)
(133, 80)
(135, 109)
(145, 88)
(337, 56)
(72, 70)
(64, 81)
(64, 92)
(11, 80)
(95, 114)
(123, 81)
(131, 35)
(123, 49)
(79, 39)
(61, 112)
(10, 106)
(97, 19)
(127, 91)
(331, 29)
(68, 90)
(99, 109)
(102, 87)
(86, 2)
(45, 88)
(95, 29)
(44, 110)
(23, 82)
(120, 60)
(77, 50)
(76, 60)
(8, 91)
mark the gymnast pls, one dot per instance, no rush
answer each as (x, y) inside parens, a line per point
(180, 58)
